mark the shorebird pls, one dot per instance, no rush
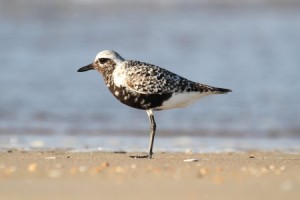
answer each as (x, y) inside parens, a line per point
(148, 87)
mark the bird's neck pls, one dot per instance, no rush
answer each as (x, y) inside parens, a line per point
(108, 79)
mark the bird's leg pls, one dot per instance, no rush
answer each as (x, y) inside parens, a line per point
(152, 132)
(152, 135)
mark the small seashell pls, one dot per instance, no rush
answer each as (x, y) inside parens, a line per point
(82, 168)
(133, 166)
(191, 160)
(119, 169)
(50, 158)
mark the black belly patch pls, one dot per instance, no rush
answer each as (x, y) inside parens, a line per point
(137, 100)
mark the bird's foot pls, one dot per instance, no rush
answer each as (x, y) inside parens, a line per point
(149, 156)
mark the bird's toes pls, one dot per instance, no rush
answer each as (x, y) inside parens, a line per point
(144, 156)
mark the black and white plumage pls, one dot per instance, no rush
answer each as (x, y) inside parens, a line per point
(148, 87)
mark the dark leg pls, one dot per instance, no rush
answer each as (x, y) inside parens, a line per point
(152, 132)
(152, 135)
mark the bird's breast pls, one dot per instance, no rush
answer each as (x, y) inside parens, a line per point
(119, 77)
(138, 100)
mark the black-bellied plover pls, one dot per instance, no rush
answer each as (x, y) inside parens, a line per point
(148, 87)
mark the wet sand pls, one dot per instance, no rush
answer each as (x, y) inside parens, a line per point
(61, 174)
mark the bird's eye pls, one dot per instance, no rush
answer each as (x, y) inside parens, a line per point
(103, 60)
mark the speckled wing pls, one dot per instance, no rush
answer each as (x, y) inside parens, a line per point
(145, 78)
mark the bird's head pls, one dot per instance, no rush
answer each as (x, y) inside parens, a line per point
(104, 61)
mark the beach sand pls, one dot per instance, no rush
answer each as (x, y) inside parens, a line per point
(60, 174)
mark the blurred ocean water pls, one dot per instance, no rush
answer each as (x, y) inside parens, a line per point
(251, 49)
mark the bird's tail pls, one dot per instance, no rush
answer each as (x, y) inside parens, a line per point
(221, 90)
(214, 90)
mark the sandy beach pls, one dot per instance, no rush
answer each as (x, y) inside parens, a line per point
(59, 128)
(60, 174)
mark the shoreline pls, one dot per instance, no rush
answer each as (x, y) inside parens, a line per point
(64, 175)
(134, 143)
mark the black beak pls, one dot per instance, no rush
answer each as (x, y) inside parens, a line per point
(86, 68)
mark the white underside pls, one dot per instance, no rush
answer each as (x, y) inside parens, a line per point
(182, 100)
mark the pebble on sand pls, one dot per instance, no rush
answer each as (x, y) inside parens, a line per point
(98, 169)
(32, 167)
(203, 171)
(55, 173)
(9, 170)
